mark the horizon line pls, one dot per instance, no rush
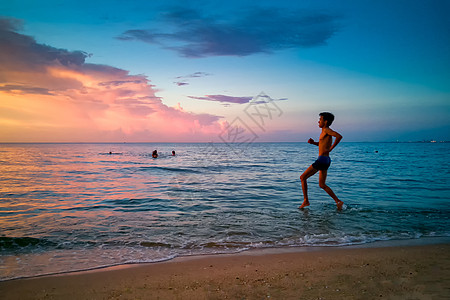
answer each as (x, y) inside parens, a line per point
(210, 142)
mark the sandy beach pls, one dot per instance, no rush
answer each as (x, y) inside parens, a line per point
(413, 272)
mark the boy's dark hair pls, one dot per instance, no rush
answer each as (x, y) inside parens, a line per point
(327, 116)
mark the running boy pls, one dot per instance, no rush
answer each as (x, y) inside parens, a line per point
(323, 162)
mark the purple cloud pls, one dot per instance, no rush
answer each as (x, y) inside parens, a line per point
(223, 98)
(194, 75)
(22, 53)
(184, 80)
(259, 30)
(181, 83)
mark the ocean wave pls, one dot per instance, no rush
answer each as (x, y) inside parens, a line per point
(18, 243)
(160, 168)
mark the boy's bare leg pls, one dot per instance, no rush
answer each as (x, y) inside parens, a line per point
(308, 173)
(322, 184)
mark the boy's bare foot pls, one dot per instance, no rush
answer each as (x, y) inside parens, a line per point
(305, 204)
(339, 204)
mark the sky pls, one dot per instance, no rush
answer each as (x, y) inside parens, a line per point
(223, 71)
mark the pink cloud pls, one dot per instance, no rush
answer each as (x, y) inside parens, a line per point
(51, 94)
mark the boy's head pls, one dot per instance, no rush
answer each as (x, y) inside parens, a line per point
(328, 117)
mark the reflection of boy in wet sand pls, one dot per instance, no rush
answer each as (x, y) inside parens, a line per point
(323, 162)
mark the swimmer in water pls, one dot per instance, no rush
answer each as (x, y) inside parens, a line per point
(155, 154)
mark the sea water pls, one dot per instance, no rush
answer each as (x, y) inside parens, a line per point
(68, 207)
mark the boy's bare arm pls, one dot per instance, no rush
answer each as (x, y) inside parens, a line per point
(337, 136)
(311, 141)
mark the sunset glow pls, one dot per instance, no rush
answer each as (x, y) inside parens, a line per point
(176, 72)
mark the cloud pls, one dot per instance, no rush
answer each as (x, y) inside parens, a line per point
(119, 82)
(11, 24)
(262, 98)
(22, 89)
(257, 30)
(52, 94)
(184, 80)
(195, 75)
(224, 98)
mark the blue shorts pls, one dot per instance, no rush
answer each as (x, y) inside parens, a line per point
(322, 163)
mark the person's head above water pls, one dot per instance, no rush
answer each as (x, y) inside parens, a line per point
(173, 153)
(327, 117)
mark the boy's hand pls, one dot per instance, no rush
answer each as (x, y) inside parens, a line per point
(311, 141)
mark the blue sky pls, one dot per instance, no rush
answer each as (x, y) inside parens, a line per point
(382, 67)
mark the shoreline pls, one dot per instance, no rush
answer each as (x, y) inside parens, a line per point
(426, 241)
(382, 270)
(423, 241)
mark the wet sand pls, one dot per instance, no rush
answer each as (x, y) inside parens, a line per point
(412, 272)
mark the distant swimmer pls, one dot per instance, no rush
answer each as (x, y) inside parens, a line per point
(155, 154)
(112, 153)
(173, 153)
(323, 161)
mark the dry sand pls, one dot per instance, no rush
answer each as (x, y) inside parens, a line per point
(415, 272)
